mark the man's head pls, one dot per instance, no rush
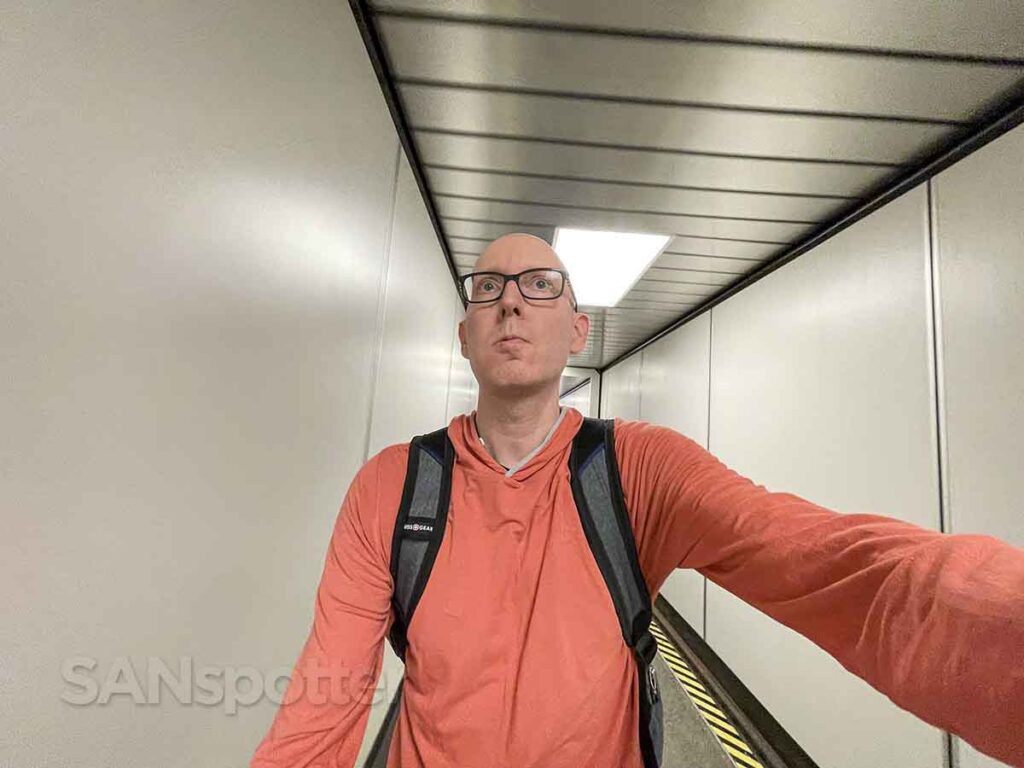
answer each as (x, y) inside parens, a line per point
(517, 344)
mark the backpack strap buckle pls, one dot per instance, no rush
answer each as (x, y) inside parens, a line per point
(646, 647)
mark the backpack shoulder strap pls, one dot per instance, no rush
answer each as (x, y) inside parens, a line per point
(419, 527)
(597, 491)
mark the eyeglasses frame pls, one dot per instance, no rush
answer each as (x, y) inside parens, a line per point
(515, 279)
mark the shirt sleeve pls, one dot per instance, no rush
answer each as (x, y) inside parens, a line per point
(934, 621)
(323, 715)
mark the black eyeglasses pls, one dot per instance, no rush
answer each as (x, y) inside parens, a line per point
(543, 284)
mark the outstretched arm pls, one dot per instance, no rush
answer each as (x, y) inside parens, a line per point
(932, 620)
(323, 716)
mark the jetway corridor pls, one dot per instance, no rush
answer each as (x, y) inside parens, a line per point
(586, 310)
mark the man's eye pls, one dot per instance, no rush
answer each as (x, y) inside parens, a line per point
(542, 284)
(487, 285)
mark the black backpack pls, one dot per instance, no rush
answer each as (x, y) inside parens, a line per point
(597, 490)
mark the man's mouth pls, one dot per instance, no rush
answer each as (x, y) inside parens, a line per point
(510, 338)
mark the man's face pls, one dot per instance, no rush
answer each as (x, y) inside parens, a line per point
(546, 331)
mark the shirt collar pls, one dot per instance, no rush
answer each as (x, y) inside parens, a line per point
(509, 471)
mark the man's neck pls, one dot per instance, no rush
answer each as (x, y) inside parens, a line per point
(512, 428)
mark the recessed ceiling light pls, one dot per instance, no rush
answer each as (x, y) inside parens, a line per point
(605, 265)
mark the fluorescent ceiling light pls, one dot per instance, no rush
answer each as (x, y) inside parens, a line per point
(605, 265)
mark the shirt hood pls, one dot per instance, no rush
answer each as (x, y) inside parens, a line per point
(471, 454)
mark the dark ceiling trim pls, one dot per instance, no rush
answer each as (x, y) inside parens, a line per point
(631, 314)
(578, 385)
(605, 209)
(688, 282)
(698, 269)
(375, 49)
(682, 282)
(479, 239)
(495, 221)
(712, 256)
(817, 114)
(625, 183)
(655, 303)
(878, 164)
(631, 332)
(667, 268)
(692, 37)
(624, 322)
(644, 311)
(729, 240)
(1003, 119)
(619, 339)
(695, 294)
(674, 298)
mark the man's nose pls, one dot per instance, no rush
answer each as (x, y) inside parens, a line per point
(511, 299)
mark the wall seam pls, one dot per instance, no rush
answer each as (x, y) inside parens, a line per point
(451, 365)
(382, 303)
(950, 752)
(711, 319)
(942, 441)
(640, 388)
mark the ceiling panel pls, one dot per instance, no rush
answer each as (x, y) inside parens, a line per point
(470, 248)
(638, 300)
(473, 245)
(681, 293)
(483, 184)
(553, 215)
(740, 128)
(569, 160)
(659, 272)
(656, 317)
(751, 77)
(692, 129)
(494, 229)
(980, 28)
(706, 263)
(723, 247)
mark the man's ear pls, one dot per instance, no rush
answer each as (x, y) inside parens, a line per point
(462, 339)
(580, 332)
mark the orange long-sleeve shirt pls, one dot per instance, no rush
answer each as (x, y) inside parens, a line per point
(515, 656)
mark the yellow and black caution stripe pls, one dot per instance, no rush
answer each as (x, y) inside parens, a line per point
(711, 710)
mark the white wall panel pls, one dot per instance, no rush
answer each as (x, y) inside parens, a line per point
(620, 390)
(980, 254)
(586, 402)
(675, 380)
(413, 369)
(821, 386)
(462, 386)
(674, 386)
(411, 390)
(196, 210)
(979, 241)
(579, 399)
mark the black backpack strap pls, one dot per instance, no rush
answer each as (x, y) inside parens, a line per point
(419, 527)
(597, 490)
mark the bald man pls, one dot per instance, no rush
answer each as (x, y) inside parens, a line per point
(515, 657)
(518, 348)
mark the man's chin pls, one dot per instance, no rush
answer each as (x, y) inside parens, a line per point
(513, 376)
